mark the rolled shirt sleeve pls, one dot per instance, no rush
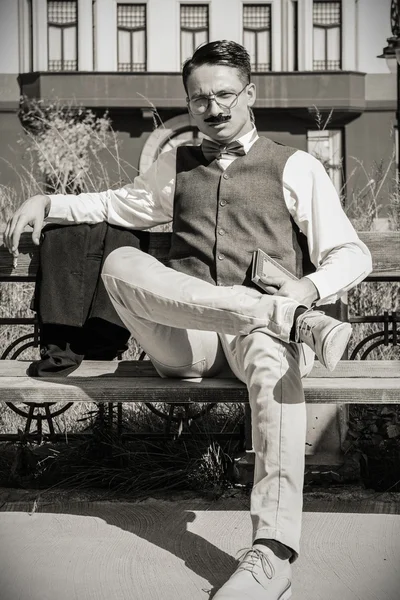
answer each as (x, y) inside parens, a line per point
(341, 259)
(146, 202)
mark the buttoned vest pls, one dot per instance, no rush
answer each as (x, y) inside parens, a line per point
(221, 217)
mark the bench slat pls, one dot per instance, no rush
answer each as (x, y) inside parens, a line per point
(98, 382)
(156, 243)
(384, 247)
(360, 369)
(88, 368)
(144, 368)
(149, 389)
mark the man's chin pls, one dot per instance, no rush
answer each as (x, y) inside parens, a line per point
(219, 131)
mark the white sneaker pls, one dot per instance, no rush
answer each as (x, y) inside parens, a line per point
(260, 576)
(326, 336)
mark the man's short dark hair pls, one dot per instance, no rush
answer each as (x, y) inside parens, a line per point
(221, 52)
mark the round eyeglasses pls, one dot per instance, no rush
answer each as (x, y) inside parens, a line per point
(225, 100)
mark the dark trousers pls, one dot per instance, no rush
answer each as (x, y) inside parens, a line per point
(77, 319)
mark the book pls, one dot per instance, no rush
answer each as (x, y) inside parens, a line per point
(264, 265)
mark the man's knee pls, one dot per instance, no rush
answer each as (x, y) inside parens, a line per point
(261, 349)
(261, 341)
(121, 263)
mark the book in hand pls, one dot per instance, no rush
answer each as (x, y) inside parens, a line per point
(264, 266)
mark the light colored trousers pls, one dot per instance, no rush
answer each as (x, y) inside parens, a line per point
(192, 328)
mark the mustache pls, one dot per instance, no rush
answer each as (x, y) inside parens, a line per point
(218, 119)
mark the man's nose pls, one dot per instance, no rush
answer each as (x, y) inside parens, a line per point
(213, 108)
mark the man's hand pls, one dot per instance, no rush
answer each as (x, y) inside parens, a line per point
(303, 290)
(32, 212)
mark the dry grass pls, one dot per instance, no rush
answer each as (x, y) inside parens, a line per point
(138, 467)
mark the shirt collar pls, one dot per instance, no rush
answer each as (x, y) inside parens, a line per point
(248, 139)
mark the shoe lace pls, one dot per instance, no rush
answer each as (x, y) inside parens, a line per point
(251, 559)
(302, 327)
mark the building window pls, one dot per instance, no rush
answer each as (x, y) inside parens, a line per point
(194, 28)
(131, 23)
(327, 35)
(62, 29)
(257, 35)
(327, 146)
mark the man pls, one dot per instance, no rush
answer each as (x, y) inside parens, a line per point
(200, 314)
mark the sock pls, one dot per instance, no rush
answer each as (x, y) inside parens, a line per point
(280, 550)
(299, 311)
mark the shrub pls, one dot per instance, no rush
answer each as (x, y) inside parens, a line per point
(69, 146)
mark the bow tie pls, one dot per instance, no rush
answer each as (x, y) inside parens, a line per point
(213, 150)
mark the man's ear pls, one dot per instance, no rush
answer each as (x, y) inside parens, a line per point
(251, 94)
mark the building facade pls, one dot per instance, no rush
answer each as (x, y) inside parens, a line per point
(314, 62)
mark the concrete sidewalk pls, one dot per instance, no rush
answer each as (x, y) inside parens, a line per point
(184, 548)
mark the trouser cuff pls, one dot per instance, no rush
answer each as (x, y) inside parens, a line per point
(277, 534)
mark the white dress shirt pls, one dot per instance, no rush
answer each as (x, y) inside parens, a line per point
(340, 258)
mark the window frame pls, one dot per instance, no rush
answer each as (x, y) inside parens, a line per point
(325, 28)
(277, 60)
(194, 31)
(144, 5)
(256, 31)
(62, 27)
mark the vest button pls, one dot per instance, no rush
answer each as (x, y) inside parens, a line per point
(221, 256)
(223, 202)
(225, 176)
(221, 231)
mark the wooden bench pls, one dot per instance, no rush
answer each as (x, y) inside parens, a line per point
(136, 381)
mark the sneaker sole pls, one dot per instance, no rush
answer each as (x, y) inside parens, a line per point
(335, 344)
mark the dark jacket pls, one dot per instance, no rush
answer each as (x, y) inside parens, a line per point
(77, 319)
